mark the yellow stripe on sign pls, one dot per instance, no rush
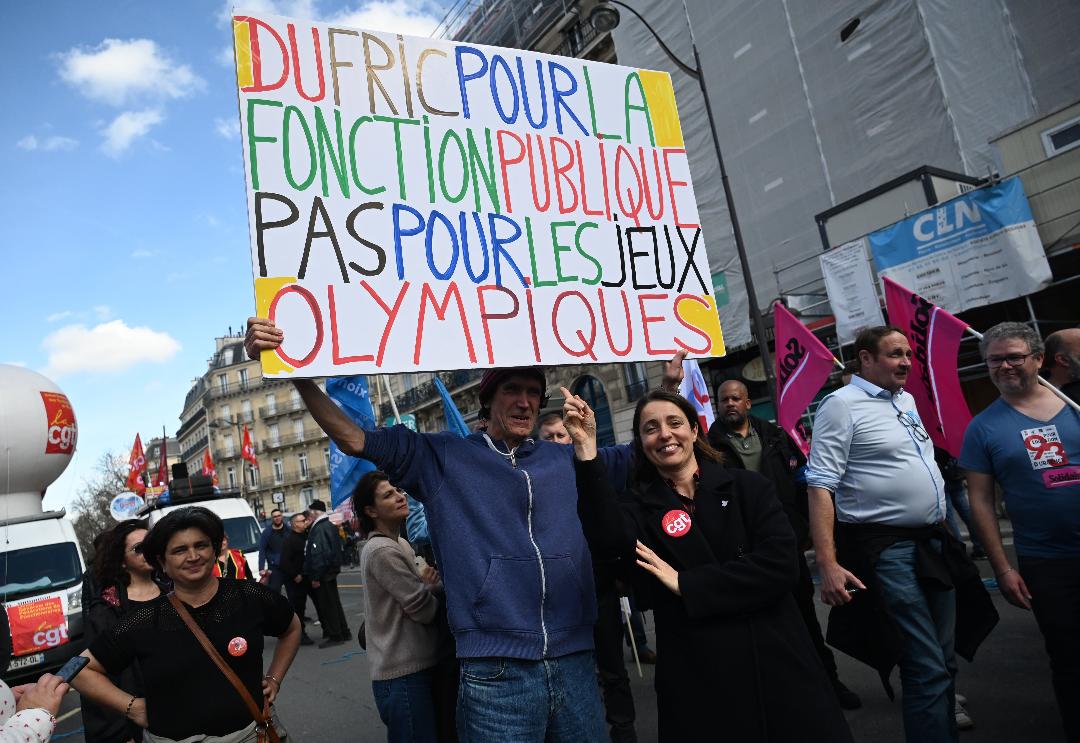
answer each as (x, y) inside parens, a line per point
(705, 318)
(662, 108)
(265, 291)
(242, 46)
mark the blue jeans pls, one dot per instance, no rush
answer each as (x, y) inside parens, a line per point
(927, 623)
(505, 700)
(407, 706)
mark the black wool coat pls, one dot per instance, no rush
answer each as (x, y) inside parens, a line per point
(734, 658)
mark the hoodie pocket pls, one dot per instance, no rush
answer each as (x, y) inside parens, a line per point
(509, 597)
(567, 600)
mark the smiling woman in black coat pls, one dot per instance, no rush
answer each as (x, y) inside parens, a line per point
(715, 560)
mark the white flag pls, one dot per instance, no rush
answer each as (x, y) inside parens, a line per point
(694, 389)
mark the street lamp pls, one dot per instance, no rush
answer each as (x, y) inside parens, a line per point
(605, 17)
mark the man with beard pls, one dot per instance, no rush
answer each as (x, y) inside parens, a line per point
(1028, 441)
(750, 443)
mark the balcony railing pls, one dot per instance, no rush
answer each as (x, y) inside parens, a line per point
(230, 389)
(194, 449)
(281, 408)
(309, 434)
(426, 392)
(291, 477)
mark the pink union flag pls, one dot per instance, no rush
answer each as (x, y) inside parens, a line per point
(803, 364)
(694, 389)
(933, 381)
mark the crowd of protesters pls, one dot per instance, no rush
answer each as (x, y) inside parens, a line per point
(494, 565)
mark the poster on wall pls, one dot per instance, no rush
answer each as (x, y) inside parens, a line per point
(420, 204)
(977, 249)
(852, 292)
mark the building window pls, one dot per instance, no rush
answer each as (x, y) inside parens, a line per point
(298, 429)
(230, 477)
(222, 383)
(245, 411)
(302, 459)
(306, 496)
(1062, 138)
(271, 404)
(326, 456)
(636, 380)
(227, 442)
(243, 373)
(279, 471)
(294, 396)
(253, 476)
(274, 434)
(226, 412)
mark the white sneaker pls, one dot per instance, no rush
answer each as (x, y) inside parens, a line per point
(963, 719)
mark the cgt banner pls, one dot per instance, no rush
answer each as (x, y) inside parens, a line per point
(973, 250)
(423, 204)
(36, 625)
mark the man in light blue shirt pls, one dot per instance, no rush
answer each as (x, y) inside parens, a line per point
(871, 451)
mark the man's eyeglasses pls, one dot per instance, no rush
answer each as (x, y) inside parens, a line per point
(1013, 359)
(913, 426)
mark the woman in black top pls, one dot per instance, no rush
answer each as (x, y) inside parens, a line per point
(123, 581)
(716, 562)
(185, 693)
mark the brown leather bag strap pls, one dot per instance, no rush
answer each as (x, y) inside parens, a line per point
(260, 716)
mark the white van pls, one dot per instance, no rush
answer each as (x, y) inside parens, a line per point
(41, 572)
(241, 526)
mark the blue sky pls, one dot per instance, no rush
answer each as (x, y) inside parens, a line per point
(125, 240)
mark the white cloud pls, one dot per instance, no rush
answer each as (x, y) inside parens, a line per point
(143, 253)
(226, 57)
(102, 312)
(47, 144)
(227, 128)
(391, 16)
(107, 347)
(118, 71)
(58, 316)
(294, 8)
(127, 127)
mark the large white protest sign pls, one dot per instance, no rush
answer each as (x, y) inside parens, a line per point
(422, 204)
(976, 249)
(849, 283)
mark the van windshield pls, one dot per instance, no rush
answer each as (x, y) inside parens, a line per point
(243, 533)
(41, 569)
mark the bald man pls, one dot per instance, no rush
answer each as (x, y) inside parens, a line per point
(1061, 365)
(754, 444)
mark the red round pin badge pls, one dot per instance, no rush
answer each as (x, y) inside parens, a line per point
(676, 523)
(237, 646)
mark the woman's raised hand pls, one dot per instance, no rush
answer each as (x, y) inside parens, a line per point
(580, 422)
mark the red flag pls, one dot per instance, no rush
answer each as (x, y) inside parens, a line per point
(163, 468)
(803, 364)
(208, 468)
(248, 450)
(933, 381)
(136, 468)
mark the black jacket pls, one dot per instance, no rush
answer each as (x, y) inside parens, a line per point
(322, 554)
(292, 554)
(780, 461)
(734, 657)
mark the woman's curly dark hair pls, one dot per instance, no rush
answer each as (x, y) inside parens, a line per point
(108, 565)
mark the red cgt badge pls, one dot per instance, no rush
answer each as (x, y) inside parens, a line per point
(237, 646)
(676, 523)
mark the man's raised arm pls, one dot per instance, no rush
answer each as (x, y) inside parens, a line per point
(263, 335)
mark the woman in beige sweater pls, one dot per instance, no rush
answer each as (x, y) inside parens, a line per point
(401, 602)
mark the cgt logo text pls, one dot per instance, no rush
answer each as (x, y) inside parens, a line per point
(676, 523)
(51, 638)
(62, 432)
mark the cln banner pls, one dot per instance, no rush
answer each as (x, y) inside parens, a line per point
(976, 249)
(419, 204)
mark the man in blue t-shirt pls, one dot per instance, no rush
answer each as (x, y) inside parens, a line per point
(1028, 440)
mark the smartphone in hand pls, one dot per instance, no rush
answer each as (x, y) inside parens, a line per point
(71, 669)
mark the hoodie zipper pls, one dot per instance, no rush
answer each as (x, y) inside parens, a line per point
(512, 457)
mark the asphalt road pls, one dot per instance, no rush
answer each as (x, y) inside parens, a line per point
(327, 695)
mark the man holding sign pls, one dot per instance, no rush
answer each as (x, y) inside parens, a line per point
(502, 509)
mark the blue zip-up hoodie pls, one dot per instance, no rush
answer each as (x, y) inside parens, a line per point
(505, 527)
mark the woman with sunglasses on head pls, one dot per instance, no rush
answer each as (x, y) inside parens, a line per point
(712, 553)
(125, 582)
(187, 696)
